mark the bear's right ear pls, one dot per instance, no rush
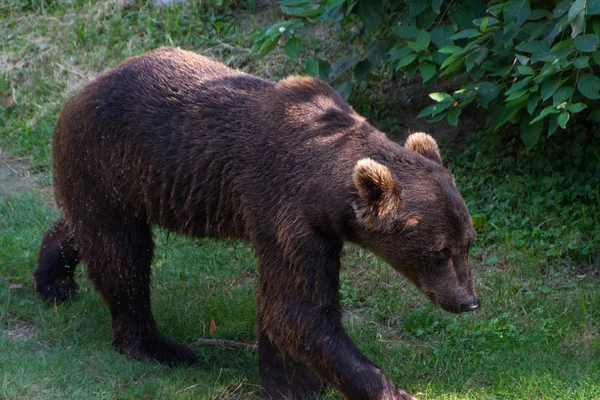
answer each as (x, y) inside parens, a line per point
(379, 195)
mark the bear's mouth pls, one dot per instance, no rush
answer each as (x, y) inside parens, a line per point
(444, 306)
(431, 296)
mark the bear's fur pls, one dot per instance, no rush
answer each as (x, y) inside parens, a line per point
(174, 139)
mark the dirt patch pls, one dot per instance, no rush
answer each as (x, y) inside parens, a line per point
(584, 341)
(21, 330)
(15, 175)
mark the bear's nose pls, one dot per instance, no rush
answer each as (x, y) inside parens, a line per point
(472, 306)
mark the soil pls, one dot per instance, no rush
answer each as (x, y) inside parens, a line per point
(15, 175)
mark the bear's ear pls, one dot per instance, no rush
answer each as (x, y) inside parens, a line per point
(379, 195)
(425, 145)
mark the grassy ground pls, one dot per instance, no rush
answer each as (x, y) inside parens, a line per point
(536, 259)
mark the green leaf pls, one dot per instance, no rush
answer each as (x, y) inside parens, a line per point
(544, 113)
(487, 91)
(397, 54)
(520, 102)
(448, 69)
(518, 9)
(525, 70)
(593, 7)
(362, 69)
(485, 22)
(345, 89)
(422, 41)
(437, 118)
(516, 95)
(410, 70)
(452, 116)
(538, 14)
(577, 25)
(256, 46)
(596, 56)
(587, 43)
(549, 86)
(577, 107)
(440, 35)
(416, 7)
(519, 85)
(369, 12)
(312, 67)
(533, 46)
(561, 9)
(582, 62)
(293, 3)
(450, 49)
(502, 115)
(275, 28)
(439, 58)
(293, 47)
(341, 66)
(470, 61)
(496, 9)
(563, 44)
(576, 8)
(317, 68)
(552, 125)
(307, 11)
(530, 132)
(435, 5)
(452, 59)
(467, 33)
(434, 109)
(562, 119)
(406, 60)
(561, 94)
(589, 86)
(268, 45)
(532, 103)
(522, 59)
(405, 31)
(441, 97)
(427, 71)
(377, 52)
(333, 3)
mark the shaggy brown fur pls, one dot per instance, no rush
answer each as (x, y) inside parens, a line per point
(174, 139)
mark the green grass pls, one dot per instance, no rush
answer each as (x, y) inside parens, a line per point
(535, 261)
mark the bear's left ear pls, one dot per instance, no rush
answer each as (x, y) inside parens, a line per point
(379, 195)
(425, 145)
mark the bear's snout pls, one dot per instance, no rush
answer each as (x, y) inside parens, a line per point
(470, 306)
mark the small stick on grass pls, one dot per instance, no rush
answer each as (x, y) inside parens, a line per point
(253, 348)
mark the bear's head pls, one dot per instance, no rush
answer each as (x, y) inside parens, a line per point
(410, 213)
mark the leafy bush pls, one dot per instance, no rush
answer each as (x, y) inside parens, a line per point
(532, 65)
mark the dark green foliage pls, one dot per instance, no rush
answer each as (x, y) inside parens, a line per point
(519, 62)
(522, 201)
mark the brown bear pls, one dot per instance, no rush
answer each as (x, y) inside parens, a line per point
(174, 139)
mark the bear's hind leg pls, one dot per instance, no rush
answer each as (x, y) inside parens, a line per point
(118, 254)
(57, 260)
(282, 377)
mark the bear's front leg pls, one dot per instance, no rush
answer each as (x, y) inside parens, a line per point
(300, 314)
(283, 377)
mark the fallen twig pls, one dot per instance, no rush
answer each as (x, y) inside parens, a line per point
(13, 170)
(253, 348)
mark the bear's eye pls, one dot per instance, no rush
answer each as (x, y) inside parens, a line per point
(445, 253)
